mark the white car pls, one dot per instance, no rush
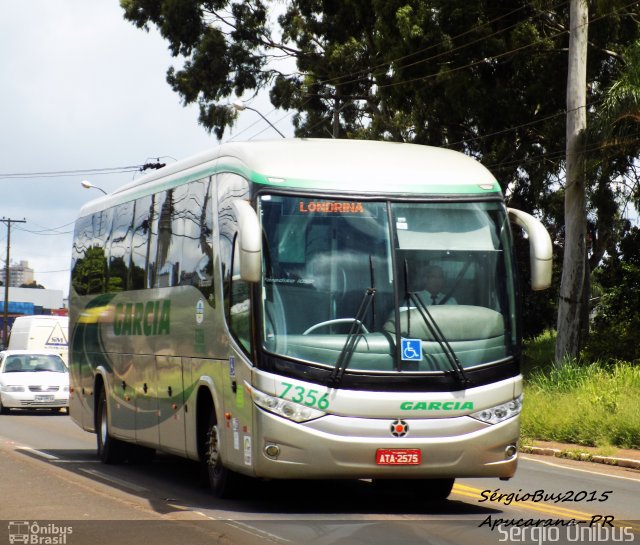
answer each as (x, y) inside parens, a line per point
(32, 380)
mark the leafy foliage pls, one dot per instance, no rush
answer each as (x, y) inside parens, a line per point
(615, 330)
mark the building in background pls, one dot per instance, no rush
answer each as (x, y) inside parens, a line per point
(19, 274)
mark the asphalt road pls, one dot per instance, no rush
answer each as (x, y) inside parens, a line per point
(52, 484)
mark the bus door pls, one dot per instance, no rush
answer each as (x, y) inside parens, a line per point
(171, 400)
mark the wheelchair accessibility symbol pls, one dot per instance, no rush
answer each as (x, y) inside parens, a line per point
(411, 350)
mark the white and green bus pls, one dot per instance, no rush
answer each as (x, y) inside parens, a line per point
(261, 308)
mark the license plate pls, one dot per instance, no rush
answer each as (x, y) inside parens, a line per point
(44, 398)
(398, 457)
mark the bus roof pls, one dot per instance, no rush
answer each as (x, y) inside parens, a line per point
(362, 166)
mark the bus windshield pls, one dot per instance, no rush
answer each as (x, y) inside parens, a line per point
(345, 273)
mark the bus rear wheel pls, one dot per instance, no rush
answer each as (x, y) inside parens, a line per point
(222, 480)
(110, 450)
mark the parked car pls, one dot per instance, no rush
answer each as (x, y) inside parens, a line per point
(33, 380)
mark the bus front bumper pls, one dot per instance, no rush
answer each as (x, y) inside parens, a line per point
(343, 447)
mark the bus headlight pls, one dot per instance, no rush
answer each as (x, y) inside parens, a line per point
(494, 415)
(284, 407)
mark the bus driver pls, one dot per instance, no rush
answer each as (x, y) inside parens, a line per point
(434, 284)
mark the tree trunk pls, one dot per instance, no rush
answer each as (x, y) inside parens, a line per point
(570, 310)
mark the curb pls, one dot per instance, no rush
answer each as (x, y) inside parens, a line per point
(581, 456)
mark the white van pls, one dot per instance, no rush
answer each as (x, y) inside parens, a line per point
(48, 333)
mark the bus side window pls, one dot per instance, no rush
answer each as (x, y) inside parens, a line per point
(171, 220)
(236, 291)
(81, 246)
(96, 258)
(120, 248)
(196, 265)
(139, 275)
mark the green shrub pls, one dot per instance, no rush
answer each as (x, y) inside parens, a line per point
(590, 405)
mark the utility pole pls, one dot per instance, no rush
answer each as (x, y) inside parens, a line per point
(574, 265)
(7, 278)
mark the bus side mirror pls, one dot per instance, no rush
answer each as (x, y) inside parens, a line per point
(249, 241)
(540, 248)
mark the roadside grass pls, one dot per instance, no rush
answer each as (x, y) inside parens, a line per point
(589, 404)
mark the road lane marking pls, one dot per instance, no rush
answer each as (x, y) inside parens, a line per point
(29, 451)
(255, 531)
(38, 453)
(246, 528)
(608, 475)
(72, 461)
(114, 480)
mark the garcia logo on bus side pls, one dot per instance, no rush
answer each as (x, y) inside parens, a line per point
(436, 405)
(150, 318)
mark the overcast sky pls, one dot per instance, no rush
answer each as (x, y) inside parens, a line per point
(84, 89)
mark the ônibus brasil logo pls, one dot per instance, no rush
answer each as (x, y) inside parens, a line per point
(34, 533)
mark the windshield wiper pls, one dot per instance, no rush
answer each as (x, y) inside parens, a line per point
(352, 339)
(439, 337)
(433, 328)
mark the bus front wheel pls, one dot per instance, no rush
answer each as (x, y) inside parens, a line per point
(223, 481)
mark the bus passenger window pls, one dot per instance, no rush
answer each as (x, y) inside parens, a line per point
(196, 261)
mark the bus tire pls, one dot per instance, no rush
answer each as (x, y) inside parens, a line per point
(110, 450)
(428, 490)
(222, 480)
(438, 489)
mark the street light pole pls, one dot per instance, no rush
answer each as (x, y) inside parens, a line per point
(7, 277)
(88, 185)
(239, 106)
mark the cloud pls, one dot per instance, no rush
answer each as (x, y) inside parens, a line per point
(82, 88)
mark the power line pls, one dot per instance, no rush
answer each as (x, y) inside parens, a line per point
(63, 173)
(51, 272)
(44, 233)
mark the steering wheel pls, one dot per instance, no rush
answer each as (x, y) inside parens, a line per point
(337, 321)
